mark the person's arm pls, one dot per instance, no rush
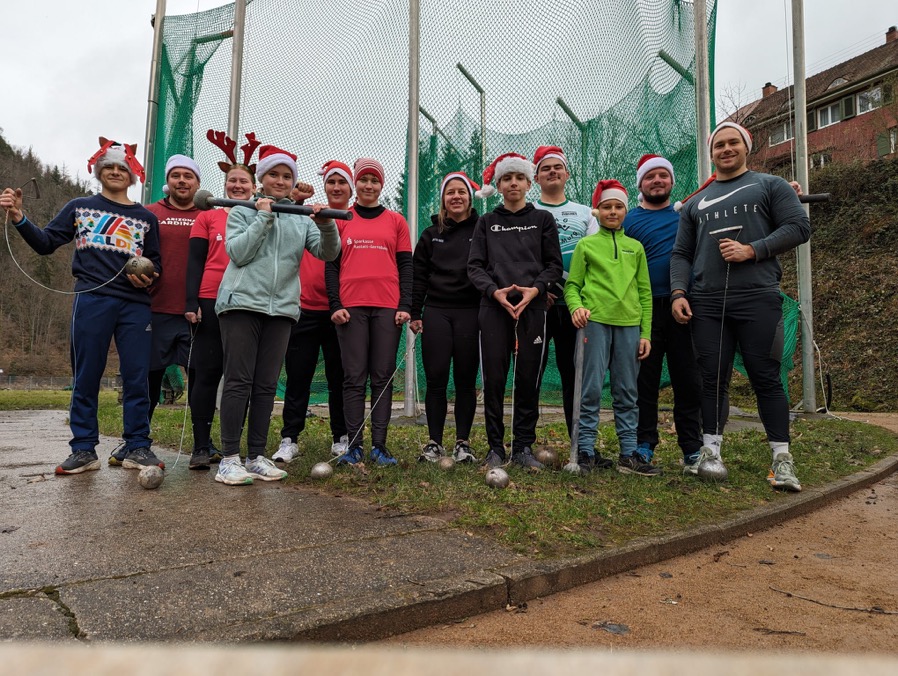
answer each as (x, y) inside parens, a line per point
(553, 265)
(477, 261)
(323, 239)
(332, 282)
(246, 231)
(404, 266)
(197, 252)
(644, 287)
(420, 274)
(573, 287)
(59, 231)
(683, 254)
(790, 221)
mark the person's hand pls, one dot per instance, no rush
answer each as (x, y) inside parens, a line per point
(550, 300)
(579, 317)
(194, 317)
(796, 186)
(317, 208)
(501, 297)
(11, 202)
(681, 311)
(141, 281)
(340, 316)
(416, 325)
(645, 346)
(402, 317)
(264, 204)
(528, 293)
(301, 192)
(734, 252)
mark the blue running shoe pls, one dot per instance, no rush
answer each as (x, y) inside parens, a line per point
(645, 452)
(351, 457)
(381, 456)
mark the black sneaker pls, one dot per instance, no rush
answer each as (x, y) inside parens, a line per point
(494, 459)
(118, 455)
(214, 454)
(634, 464)
(524, 458)
(590, 462)
(79, 461)
(601, 462)
(199, 459)
(140, 458)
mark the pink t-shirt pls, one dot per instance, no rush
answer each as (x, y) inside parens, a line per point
(368, 273)
(211, 225)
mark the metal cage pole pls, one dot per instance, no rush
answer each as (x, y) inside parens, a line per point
(702, 90)
(236, 69)
(482, 93)
(411, 186)
(149, 141)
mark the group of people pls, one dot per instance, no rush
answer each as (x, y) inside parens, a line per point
(246, 290)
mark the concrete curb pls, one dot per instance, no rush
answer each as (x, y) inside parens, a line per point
(372, 619)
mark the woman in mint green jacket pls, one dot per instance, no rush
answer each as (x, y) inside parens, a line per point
(258, 302)
(609, 295)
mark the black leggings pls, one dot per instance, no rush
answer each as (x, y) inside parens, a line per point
(755, 324)
(254, 346)
(313, 332)
(206, 367)
(368, 344)
(450, 339)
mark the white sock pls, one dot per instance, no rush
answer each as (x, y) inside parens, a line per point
(713, 441)
(778, 447)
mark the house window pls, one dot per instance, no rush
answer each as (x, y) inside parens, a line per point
(868, 100)
(887, 144)
(781, 132)
(829, 115)
(820, 160)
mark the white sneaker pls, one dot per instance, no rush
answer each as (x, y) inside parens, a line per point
(232, 473)
(286, 452)
(340, 447)
(262, 468)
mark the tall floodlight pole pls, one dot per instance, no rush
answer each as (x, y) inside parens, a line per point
(805, 294)
(482, 93)
(584, 185)
(411, 184)
(236, 68)
(702, 90)
(149, 139)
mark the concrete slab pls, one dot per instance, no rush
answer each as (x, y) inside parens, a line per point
(32, 617)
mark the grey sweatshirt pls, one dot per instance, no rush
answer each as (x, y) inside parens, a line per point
(757, 209)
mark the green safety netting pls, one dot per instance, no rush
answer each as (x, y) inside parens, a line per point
(608, 80)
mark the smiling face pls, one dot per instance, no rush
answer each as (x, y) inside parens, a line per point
(278, 182)
(239, 184)
(114, 178)
(182, 186)
(656, 186)
(729, 153)
(611, 214)
(551, 174)
(457, 200)
(338, 191)
(368, 188)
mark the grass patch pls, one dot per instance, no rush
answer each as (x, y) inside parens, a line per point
(551, 513)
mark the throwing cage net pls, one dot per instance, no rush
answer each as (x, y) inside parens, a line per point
(607, 80)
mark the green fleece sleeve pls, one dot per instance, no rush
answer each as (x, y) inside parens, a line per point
(245, 232)
(323, 241)
(644, 287)
(575, 279)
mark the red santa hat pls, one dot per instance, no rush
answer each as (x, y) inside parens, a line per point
(609, 189)
(743, 132)
(368, 165)
(272, 156)
(504, 164)
(549, 152)
(332, 167)
(711, 179)
(113, 152)
(462, 176)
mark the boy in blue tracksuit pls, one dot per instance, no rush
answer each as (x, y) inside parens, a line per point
(609, 295)
(108, 229)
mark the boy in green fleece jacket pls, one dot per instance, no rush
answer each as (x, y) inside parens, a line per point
(610, 297)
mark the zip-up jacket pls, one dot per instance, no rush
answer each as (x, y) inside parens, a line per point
(265, 250)
(609, 277)
(518, 247)
(440, 267)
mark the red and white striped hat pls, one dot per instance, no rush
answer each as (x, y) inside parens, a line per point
(368, 165)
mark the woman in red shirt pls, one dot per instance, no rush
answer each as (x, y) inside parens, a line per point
(369, 288)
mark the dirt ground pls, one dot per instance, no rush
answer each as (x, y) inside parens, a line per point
(743, 595)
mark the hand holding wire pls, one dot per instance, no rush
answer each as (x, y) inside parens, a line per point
(734, 252)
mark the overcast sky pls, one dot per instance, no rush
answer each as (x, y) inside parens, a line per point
(75, 70)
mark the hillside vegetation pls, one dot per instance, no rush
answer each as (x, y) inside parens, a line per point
(854, 257)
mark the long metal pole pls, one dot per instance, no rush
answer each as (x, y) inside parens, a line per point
(584, 186)
(805, 293)
(482, 92)
(411, 184)
(702, 90)
(149, 139)
(236, 69)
